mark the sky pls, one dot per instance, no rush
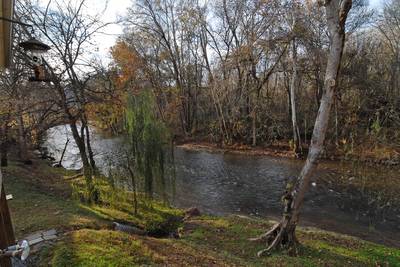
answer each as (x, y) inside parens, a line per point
(118, 8)
(376, 3)
(115, 9)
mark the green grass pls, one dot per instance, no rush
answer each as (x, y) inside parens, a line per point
(43, 200)
(153, 216)
(227, 238)
(98, 248)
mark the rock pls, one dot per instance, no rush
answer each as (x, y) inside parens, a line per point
(28, 162)
(192, 212)
(50, 232)
(49, 237)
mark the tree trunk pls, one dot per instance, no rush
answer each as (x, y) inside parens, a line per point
(63, 153)
(87, 168)
(4, 146)
(134, 189)
(89, 149)
(294, 83)
(282, 235)
(23, 150)
(254, 126)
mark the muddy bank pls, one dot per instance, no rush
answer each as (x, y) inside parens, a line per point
(273, 151)
(282, 149)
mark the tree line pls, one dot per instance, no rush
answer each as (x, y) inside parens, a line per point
(252, 72)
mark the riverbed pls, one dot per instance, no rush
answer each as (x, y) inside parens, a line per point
(226, 183)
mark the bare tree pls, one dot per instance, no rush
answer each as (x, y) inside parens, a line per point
(283, 233)
(295, 80)
(70, 31)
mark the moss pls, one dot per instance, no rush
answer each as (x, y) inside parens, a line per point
(318, 248)
(100, 248)
(153, 216)
(43, 199)
(41, 202)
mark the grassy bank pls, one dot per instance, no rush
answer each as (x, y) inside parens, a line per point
(42, 200)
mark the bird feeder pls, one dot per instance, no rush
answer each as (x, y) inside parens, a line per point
(36, 49)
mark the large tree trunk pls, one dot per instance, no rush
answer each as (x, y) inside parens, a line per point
(282, 235)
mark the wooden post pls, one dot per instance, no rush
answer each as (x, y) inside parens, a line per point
(6, 230)
(6, 10)
(7, 237)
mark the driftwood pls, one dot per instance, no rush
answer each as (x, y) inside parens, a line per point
(129, 229)
(192, 212)
(63, 153)
(74, 176)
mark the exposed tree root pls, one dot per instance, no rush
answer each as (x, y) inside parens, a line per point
(280, 237)
(267, 235)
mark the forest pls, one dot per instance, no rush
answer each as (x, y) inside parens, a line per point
(223, 127)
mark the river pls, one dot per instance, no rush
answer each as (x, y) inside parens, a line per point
(226, 183)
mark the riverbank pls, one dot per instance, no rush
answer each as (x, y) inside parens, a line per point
(368, 154)
(351, 197)
(274, 151)
(43, 199)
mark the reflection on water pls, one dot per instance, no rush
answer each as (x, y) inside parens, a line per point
(231, 183)
(225, 183)
(106, 150)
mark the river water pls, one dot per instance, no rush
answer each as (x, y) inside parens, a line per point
(226, 183)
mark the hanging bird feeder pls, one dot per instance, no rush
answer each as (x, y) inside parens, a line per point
(36, 49)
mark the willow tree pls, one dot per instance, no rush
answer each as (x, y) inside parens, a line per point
(148, 139)
(282, 235)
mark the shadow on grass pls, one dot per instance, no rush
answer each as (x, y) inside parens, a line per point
(231, 242)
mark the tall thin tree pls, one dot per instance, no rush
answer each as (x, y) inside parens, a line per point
(282, 235)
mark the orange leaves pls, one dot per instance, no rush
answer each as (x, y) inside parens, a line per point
(127, 63)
